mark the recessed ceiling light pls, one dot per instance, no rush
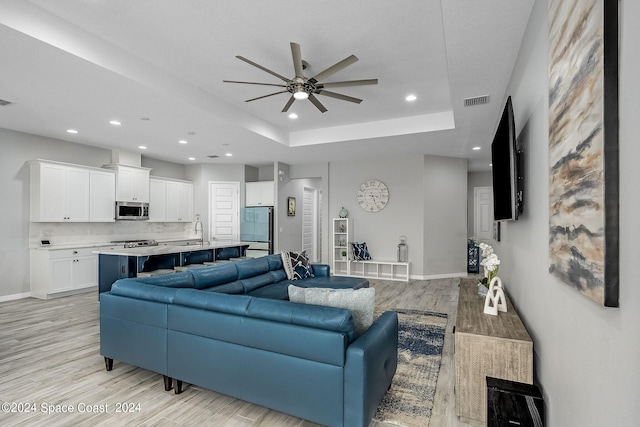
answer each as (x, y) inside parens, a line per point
(228, 154)
(142, 147)
(411, 98)
(182, 141)
(491, 164)
(115, 122)
(72, 131)
(476, 148)
(192, 158)
(293, 116)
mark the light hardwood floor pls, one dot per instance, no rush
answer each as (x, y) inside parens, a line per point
(50, 355)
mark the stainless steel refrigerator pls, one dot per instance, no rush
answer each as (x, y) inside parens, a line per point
(256, 228)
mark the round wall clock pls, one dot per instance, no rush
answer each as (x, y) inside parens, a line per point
(373, 195)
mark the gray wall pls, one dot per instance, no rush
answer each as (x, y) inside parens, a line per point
(161, 168)
(402, 215)
(445, 216)
(18, 148)
(424, 191)
(201, 175)
(290, 238)
(586, 356)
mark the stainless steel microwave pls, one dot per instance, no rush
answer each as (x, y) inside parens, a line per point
(135, 211)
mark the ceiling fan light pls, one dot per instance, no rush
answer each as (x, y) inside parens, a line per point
(300, 94)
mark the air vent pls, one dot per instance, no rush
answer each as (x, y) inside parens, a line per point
(478, 100)
(4, 103)
(213, 156)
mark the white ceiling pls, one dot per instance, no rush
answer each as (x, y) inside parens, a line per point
(79, 64)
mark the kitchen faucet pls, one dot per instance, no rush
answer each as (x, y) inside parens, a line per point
(198, 228)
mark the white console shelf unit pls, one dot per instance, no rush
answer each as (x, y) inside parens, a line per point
(370, 269)
(373, 269)
(342, 235)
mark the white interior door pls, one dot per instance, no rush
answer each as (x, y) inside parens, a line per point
(310, 223)
(483, 214)
(224, 211)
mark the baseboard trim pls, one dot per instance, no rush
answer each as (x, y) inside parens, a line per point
(15, 297)
(439, 276)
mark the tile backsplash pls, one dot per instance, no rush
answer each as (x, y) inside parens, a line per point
(67, 233)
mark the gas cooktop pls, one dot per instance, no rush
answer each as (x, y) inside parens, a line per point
(136, 243)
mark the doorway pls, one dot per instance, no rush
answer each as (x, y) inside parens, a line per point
(483, 214)
(310, 208)
(224, 211)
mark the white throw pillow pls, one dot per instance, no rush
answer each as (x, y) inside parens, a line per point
(286, 263)
(361, 302)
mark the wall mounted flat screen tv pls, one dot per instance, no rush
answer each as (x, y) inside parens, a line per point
(506, 160)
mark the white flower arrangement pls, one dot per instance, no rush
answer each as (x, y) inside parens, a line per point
(490, 262)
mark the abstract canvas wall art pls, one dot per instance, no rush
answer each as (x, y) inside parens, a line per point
(583, 146)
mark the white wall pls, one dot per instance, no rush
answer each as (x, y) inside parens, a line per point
(586, 356)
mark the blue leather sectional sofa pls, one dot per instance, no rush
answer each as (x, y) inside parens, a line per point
(231, 329)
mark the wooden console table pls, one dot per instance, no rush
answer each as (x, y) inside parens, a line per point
(485, 345)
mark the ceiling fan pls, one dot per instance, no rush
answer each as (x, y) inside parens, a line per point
(301, 87)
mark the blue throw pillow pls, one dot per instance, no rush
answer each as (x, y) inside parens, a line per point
(360, 251)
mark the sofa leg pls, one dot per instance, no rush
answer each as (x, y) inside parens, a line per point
(178, 387)
(168, 383)
(108, 363)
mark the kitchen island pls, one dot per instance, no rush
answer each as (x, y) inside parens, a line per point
(119, 262)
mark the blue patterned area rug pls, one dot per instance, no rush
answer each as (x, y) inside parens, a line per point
(409, 401)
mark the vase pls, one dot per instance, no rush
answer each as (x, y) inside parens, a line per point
(482, 290)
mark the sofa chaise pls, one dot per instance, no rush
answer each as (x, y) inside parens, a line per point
(231, 329)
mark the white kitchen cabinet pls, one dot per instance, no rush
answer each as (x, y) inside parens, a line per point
(59, 192)
(63, 192)
(179, 201)
(259, 193)
(170, 200)
(157, 200)
(102, 196)
(132, 183)
(57, 272)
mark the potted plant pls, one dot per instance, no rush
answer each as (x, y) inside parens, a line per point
(491, 263)
(344, 254)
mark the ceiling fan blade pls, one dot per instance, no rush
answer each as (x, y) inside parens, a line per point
(351, 83)
(335, 68)
(248, 61)
(317, 103)
(254, 83)
(339, 96)
(288, 105)
(265, 96)
(297, 59)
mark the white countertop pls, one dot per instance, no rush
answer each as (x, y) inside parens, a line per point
(164, 249)
(109, 244)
